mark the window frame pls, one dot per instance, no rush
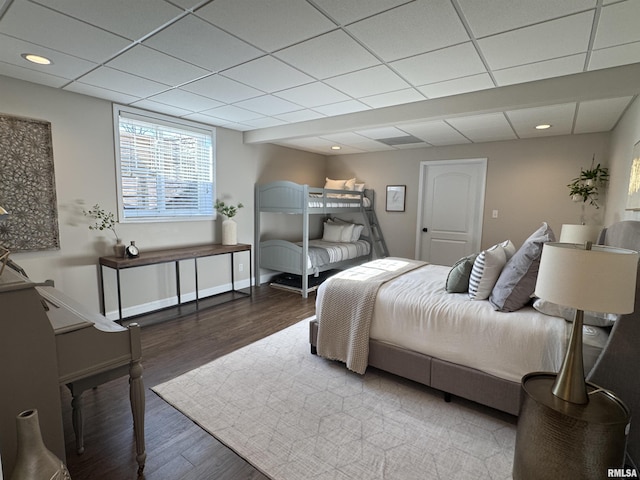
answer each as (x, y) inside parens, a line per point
(160, 119)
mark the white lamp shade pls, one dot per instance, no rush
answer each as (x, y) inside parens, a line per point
(599, 280)
(579, 233)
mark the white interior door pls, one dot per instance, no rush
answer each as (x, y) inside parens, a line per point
(450, 209)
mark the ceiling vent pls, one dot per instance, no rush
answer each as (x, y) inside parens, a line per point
(404, 140)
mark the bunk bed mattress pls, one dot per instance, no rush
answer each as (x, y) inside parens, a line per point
(316, 200)
(322, 253)
(415, 312)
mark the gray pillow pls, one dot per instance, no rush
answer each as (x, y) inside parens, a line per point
(517, 281)
(458, 278)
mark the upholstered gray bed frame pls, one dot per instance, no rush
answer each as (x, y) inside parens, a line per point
(617, 369)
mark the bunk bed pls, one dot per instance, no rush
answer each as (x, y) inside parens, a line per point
(311, 256)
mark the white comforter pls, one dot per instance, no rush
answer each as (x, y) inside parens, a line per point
(414, 311)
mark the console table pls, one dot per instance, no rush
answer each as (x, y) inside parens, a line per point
(172, 255)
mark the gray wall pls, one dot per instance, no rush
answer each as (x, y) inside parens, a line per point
(526, 183)
(82, 130)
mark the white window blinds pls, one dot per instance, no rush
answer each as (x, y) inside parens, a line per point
(166, 168)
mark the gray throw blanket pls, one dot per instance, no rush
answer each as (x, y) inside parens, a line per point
(346, 310)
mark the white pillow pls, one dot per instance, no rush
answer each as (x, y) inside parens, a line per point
(509, 248)
(350, 184)
(347, 232)
(568, 313)
(332, 232)
(335, 184)
(357, 228)
(359, 187)
(485, 272)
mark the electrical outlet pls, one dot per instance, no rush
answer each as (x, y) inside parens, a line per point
(240, 267)
(494, 214)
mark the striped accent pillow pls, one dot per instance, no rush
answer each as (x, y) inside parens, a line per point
(485, 272)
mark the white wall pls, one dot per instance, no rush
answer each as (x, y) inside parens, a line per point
(83, 149)
(526, 182)
(624, 137)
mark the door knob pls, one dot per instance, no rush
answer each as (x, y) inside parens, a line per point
(425, 229)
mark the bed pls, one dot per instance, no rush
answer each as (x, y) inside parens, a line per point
(343, 244)
(474, 351)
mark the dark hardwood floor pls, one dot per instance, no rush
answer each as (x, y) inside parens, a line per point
(176, 447)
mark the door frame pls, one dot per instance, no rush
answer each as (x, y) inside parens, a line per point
(477, 237)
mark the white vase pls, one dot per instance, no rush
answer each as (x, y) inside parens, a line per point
(33, 460)
(229, 232)
(118, 249)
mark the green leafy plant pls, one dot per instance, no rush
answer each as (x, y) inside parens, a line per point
(228, 211)
(104, 220)
(585, 187)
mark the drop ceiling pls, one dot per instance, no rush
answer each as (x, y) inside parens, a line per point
(365, 75)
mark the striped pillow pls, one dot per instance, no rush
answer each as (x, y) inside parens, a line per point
(485, 272)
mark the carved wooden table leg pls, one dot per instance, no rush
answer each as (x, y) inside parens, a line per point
(78, 423)
(136, 392)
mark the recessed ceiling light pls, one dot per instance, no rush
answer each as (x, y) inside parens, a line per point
(336, 147)
(33, 58)
(543, 126)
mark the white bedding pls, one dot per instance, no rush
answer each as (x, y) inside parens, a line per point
(335, 201)
(414, 311)
(334, 252)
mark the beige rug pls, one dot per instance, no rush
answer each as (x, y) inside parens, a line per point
(296, 416)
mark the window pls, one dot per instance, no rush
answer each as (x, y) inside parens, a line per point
(165, 167)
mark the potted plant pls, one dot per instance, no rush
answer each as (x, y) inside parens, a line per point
(585, 187)
(105, 220)
(229, 226)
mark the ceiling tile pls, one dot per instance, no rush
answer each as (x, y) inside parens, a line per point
(132, 20)
(148, 63)
(424, 25)
(268, 74)
(618, 24)
(350, 106)
(446, 64)
(267, 24)
(557, 38)
(484, 128)
(347, 12)
(328, 55)
(488, 18)
(268, 105)
(540, 70)
(382, 132)
(180, 98)
(62, 65)
(232, 113)
(299, 116)
(407, 95)
(356, 141)
(162, 108)
(560, 117)
(457, 86)
(600, 115)
(33, 76)
(221, 88)
(27, 21)
(198, 42)
(105, 77)
(370, 81)
(313, 95)
(436, 133)
(264, 122)
(102, 93)
(615, 56)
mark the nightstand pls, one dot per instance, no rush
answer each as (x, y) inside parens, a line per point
(558, 439)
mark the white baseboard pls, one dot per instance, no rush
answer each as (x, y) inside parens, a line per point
(172, 301)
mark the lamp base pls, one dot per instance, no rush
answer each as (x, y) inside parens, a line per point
(559, 439)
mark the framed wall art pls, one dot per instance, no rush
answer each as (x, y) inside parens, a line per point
(396, 195)
(27, 185)
(633, 197)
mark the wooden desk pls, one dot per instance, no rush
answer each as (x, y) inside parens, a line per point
(172, 255)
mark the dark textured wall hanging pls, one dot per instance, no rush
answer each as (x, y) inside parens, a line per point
(27, 185)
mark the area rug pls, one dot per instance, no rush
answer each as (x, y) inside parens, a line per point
(297, 416)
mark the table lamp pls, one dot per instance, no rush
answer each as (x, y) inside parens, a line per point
(571, 233)
(585, 277)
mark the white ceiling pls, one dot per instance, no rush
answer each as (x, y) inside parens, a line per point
(311, 74)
